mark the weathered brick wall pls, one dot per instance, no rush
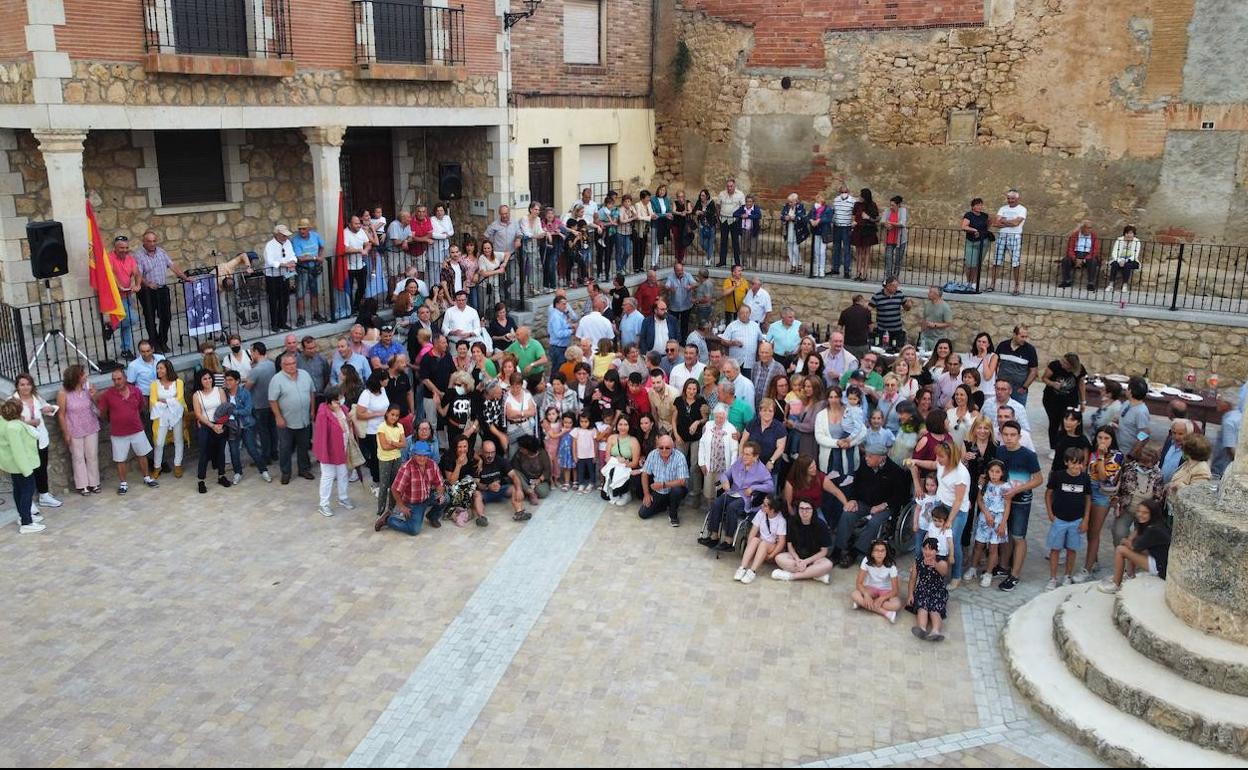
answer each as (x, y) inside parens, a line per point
(12, 34)
(537, 53)
(789, 33)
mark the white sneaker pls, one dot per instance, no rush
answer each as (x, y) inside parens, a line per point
(36, 518)
(985, 580)
(324, 511)
(749, 577)
(853, 605)
(31, 529)
(1107, 587)
(238, 477)
(779, 574)
(1052, 454)
(825, 579)
(1051, 585)
(1082, 576)
(34, 510)
(47, 499)
(1067, 580)
(969, 575)
(892, 616)
(350, 506)
(376, 491)
(740, 573)
(268, 477)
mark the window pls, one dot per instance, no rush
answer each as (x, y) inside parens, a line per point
(582, 32)
(217, 27)
(191, 167)
(399, 30)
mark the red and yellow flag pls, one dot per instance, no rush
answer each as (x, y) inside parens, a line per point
(340, 247)
(100, 270)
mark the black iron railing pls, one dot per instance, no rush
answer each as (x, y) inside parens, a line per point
(408, 32)
(259, 28)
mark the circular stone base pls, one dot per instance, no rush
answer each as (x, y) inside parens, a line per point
(1207, 579)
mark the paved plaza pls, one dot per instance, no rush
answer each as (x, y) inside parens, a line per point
(241, 628)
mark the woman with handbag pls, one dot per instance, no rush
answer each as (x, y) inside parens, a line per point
(865, 234)
(820, 233)
(707, 219)
(209, 433)
(167, 406)
(80, 427)
(1123, 260)
(334, 446)
(796, 231)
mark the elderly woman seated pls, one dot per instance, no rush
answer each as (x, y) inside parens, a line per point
(743, 484)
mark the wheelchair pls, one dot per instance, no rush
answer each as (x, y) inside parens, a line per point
(896, 530)
(741, 535)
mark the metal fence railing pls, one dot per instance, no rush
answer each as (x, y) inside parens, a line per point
(407, 32)
(258, 28)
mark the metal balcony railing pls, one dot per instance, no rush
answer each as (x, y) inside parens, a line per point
(245, 28)
(408, 32)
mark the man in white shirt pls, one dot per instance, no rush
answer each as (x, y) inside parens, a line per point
(741, 338)
(742, 385)
(836, 359)
(595, 326)
(399, 233)
(590, 206)
(461, 322)
(728, 202)
(1009, 219)
(1001, 398)
(759, 301)
(356, 245)
(689, 369)
(279, 269)
(842, 226)
(1006, 413)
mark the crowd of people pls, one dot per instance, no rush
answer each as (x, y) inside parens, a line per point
(682, 392)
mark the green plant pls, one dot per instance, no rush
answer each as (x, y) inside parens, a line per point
(681, 63)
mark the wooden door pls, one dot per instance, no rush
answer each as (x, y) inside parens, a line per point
(542, 176)
(368, 171)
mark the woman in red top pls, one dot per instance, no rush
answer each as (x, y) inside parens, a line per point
(806, 483)
(126, 271)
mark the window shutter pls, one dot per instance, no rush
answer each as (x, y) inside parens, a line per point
(582, 31)
(595, 164)
(190, 166)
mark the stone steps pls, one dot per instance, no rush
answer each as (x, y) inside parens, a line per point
(1096, 653)
(1141, 614)
(1039, 671)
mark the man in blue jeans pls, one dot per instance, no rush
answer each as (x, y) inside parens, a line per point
(417, 486)
(842, 228)
(246, 434)
(1022, 468)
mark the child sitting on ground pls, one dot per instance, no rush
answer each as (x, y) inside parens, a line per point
(931, 597)
(1068, 499)
(990, 524)
(768, 538)
(878, 586)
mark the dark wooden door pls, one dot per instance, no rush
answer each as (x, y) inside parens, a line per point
(214, 27)
(368, 171)
(542, 176)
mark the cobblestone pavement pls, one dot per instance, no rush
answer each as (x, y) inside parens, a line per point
(240, 627)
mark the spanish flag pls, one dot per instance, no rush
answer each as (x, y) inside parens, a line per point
(100, 270)
(340, 247)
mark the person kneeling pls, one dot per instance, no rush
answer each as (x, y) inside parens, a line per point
(768, 539)
(417, 486)
(810, 540)
(664, 481)
(878, 585)
(531, 473)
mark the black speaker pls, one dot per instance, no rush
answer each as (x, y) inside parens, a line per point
(450, 181)
(48, 258)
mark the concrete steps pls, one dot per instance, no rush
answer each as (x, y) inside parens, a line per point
(1037, 666)
(1096, 653)
(1141, 615)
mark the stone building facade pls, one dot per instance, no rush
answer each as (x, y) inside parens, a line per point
(1125, 111)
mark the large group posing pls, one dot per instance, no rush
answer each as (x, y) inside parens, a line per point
(685, 392)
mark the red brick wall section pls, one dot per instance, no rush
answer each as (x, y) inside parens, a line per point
(12, 32)
(789, 33)
(323, 32)
(537, 52)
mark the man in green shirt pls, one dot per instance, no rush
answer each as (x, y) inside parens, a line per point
(740, 410)
(870, 376)
(937, 318)
(530, 356)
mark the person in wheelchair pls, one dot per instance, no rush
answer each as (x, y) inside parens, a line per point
(743, 486)
(880, 490)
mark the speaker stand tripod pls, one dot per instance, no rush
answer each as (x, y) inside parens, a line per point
(47, 288)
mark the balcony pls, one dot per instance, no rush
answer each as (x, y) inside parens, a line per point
(408, 40)
(218, 37)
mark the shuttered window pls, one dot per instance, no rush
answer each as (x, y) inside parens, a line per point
(582, 31)
(190, 166)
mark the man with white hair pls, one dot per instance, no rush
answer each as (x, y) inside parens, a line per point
(594, 326)
(742, 386)
(741, 340)
(837, 359)
(1009, 219)
(759, 301)
(1172, 454)
(630, 323)
(279, 269)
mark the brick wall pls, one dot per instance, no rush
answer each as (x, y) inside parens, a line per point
(789, 33)
(12, 34)
(537, 53)
(322, 32)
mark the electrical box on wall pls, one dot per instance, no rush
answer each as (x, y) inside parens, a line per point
(477, 207)
(523, 198)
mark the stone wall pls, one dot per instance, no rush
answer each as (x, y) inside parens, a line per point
(1206, 583)
(102, 82)
(1167, 345)
(16, 82)
(943, 115)
(468, 147)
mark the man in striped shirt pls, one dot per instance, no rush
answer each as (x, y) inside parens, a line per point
(889, 304)
(842, 225)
